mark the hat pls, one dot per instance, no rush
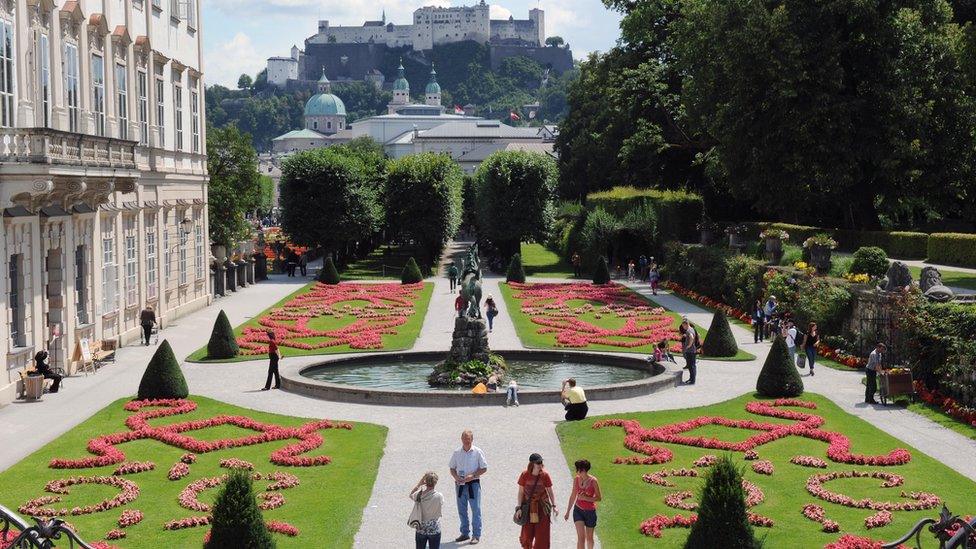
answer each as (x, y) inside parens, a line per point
(535, 458)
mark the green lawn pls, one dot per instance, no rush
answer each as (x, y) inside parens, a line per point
(385, 262)
(937, 415)
(403, 339)
(537, 260)
(628, 500)
(528, 331)
(326, 506)
(951, 278)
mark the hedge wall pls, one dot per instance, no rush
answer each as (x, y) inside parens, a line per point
(952, 249)
(897, 244)
(678, 212)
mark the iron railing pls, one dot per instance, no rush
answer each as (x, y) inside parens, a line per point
(42, 535)
(952, 532)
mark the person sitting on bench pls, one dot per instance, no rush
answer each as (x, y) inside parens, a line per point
(40, 365)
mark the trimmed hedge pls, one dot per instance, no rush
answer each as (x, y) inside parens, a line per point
(515, 271)
(719, 341)
(163, 377)
(723, 520)
(870, 260)
(602, 273)
(222, 342)
(952, 249)
(779, 378)
(329, 274)
(897, 244)
(411, 272)
(237, 521)
(678, 212)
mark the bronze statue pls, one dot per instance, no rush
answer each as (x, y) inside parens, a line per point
(471, 282)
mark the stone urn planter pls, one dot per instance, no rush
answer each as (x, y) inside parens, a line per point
(737, 241)
(820, 257)
(774, 250)
(220, 252)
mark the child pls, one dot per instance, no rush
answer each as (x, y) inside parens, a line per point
(511, 395)
(662, 354)
(655, 276)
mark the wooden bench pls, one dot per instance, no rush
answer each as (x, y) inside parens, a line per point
(95, 355)
(104, 351)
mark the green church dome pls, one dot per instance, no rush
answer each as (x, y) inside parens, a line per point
(322, 104)
(401, 84)
(433, 88)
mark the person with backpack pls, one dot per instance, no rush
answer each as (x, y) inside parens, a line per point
(810, 341)
(690, 347)
(452, 274)
(491, 311)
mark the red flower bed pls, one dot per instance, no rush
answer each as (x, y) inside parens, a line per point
(922, 500)
(547, 305)
(838, 448)
(234, 463)
(130, 517)
(106, 452)
(947, 404)
(388, 307)
(36, 507)
(763, 467)
(809, 461)
(850, 541)
(178, 471)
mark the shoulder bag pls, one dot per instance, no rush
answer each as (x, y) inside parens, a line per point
(523, 517)
(417, 514)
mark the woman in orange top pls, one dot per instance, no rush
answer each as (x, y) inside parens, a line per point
(535, 487)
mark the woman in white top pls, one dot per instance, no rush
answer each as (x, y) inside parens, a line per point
(430, 502)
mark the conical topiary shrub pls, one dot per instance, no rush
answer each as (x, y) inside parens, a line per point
(222, 342)
(602, 273)
(163, 377)
(237, 522)
(411, 272)
(719, 341)
(722, 518)
(515, 271)
(779, 377)
(329, 274)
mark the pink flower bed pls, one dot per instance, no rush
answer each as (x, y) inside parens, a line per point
(128, 491)
(705, 461)
(850, 541)
(806, 426)
(130, 517)
(877, 520)
(547, 305)
(115, 534)
(763, 467)
(816, 513)
(388, 307)
(921, 500)
(178, 471)
(132, 467)
(234, 463)
(809, 461)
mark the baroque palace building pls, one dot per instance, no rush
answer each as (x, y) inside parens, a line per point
(103, 181)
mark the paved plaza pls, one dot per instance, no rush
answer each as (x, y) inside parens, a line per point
(422, 439)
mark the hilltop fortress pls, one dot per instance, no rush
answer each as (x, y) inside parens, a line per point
(357, 52)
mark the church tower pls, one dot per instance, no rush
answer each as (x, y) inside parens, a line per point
(401, 91)
(432, 94)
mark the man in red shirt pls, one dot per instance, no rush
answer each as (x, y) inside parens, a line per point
(274, 356)
(460, 304)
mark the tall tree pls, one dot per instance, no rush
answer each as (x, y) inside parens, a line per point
(329, 198)
(515, 191)
(244, 82)
(235, 186)
(423, 200)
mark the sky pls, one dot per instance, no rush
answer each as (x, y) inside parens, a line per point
(239, 35)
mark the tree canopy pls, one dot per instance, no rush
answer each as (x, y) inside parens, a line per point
(423, 200)
(235, 184)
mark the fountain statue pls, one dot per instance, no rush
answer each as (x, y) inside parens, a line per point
(932, 287)
(471, 282)
(897, 279)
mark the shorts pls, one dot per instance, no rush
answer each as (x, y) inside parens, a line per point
(588, 518)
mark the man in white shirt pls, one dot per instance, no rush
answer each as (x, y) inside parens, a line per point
(467, 465)
(871, 370)
(791, 341)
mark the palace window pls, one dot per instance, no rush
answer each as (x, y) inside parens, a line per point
(110, 272)
(81, 285)
(198, 242)
(195, 120)
(151, 283)
(167, 251)
(143, 91)
(44, 78)
(122, 95)
(7, 74)
(71, 85)
(131, 259)
(98, 93)
(182, 258)
(15, 298)
(161, 110)
(178, 114)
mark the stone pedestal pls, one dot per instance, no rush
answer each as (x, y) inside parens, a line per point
(231, 276)
(241, 275)
(220, 279)
(470, 340)
(250, 271)
(260, 267)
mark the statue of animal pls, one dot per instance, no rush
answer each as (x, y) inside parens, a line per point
(471, 282)
(898, 278)
(932, 288)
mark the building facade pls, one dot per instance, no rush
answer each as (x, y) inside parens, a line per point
(103, 182)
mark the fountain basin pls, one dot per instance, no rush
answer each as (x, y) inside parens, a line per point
(356, 387)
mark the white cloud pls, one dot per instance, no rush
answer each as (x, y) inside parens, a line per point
(228, 60)
(560, 20)
(498, 12)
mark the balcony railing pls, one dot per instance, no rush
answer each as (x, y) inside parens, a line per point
(49, 146)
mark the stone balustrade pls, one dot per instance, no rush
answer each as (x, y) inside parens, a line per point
(49, 146)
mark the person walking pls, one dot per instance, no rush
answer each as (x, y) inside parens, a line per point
(148, 319)
(582, 501)
(468, 464)
(273, 357)
(758, 323)
(429, 502)
(452, 274)
(642, 266)
(303, 263)
(535, 497)
(770, 310)
(631, 270)
(791, 336)
(511, 393)
(690, 346)
(574, 400)
(810, 341)
(460, 304)
(871, 370)
(491, 311)
(577, 263)
(41, 367)
(654, 275)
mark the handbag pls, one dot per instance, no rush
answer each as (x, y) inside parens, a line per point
(801, 360)
(521, 516)
(416, 515)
